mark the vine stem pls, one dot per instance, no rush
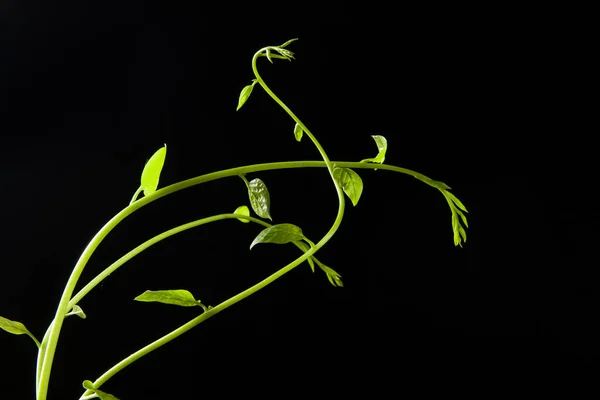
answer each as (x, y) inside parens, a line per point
(42, 355)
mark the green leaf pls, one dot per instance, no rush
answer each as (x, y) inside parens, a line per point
(456, 201)
(381, 143)
(243, 210)
(14, 327)
(298, 132)
(259, 198)
(462, 216)
(152, 170)
(279, 234)
(77, 311)
(350, 182)
(176, 297)
(245, 93)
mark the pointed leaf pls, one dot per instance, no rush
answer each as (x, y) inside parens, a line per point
(243, 210)
(462, 216)
(350, 182)
(381, 143)
(14, 327)
(298, 132)
(77, 311)
(279, 234)
(456, 201)
(175, 297)
(245, 93)
(259, 198)
(152, 170)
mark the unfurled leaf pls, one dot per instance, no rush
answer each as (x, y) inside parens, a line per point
(245, 93)
(77, 311)
(152, 170)
(14, 327)
(381, 146)
(259, 198)
(243, 210)
(462, 216)
(102, 395)
(176, 297)
(298, 132)
(279, 234)
(350, 182)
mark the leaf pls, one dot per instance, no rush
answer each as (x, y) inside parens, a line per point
(462, 216)
(77, 311)
(178, 297)
(243, 210)
(245, 93)
(13, 327)
(381, 143)
(287, 43)
(152, 169)
(456, 201)
(103, 395)
(279, 234)
(298, 132)
(259, 198)
(350, 182)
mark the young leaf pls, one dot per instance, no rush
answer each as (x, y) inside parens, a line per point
(279, 234)
(381, 146)
(259, 198)
(350, 182)
(176, 297)
(13, 327)
(245, 93)
(243, 210)
(152, 170)
(298, 132)
(77, 311)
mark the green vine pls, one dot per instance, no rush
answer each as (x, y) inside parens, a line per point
(346, 181)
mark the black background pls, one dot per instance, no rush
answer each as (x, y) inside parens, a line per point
(494, 102)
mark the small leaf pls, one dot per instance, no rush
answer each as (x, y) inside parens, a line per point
(456, 201)
(268, 52)
(152, 170)
(77, 311)
(245, 93)
(350, 182)
(13, 327)
(381, 143)
(176, 297)
(462, 216)
(279, 234)
(259, 198)
(243, 210)
(298, 132)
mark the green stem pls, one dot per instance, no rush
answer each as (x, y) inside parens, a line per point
(114, 266)
(135, 195)
(207, 314)
(46, 353)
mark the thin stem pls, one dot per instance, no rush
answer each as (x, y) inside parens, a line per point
(207, 314)
(135, 195)
(45, 363)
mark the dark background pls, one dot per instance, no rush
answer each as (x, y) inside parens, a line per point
(494, 102)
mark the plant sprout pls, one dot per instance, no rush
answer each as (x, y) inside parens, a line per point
(346, 180)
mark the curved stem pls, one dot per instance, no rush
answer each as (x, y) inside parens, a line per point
(46, 352)
(204, 316)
